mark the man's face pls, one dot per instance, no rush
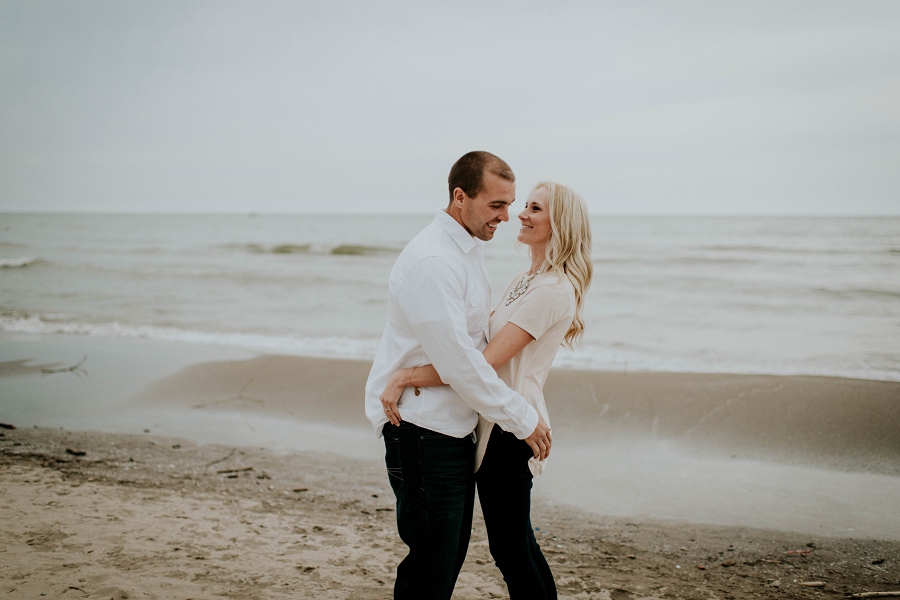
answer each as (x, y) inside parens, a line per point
(483, 213)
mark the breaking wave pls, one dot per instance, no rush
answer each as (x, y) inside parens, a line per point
(14, 263)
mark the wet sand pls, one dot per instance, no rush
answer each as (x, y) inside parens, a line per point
(812, 454)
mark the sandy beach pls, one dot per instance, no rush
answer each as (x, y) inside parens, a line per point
(177, 471)
(141, 516)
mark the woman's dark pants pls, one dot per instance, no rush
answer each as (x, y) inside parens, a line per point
(431, 475)
(504, 489)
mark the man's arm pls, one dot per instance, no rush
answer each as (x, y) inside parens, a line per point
(432, 298)
(509, 341)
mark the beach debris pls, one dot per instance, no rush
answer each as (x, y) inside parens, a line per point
(215, 462)
(7, 426)
(728, 563)
(240, 397)
(895, 594)
(76, 368)
(241, 470)
(300, 489)
(798, 552)
(811, 583)
(701, 567)
(75, 452)
(146, 431)
(878, 561)
(176, 446)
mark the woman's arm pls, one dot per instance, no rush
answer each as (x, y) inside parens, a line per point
(508, 342)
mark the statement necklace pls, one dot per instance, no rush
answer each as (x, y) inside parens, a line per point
(521, 286)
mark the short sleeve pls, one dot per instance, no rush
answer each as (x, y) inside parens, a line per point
(541, 308)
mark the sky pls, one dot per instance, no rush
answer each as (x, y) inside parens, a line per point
(645, 107)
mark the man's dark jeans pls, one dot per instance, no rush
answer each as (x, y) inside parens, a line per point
(431, 475)
(504, 490)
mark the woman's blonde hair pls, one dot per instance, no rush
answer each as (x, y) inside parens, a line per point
(569, 248)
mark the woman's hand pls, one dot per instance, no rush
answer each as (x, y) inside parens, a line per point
(398, 382)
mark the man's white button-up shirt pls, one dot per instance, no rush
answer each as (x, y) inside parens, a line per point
(438, 314)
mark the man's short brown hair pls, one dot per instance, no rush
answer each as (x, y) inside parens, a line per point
(468, 172)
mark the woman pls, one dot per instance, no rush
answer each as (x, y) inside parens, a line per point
(540, 310)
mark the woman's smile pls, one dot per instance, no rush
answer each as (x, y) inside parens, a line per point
(535, 220)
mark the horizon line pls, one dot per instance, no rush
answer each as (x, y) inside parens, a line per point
(429, 213)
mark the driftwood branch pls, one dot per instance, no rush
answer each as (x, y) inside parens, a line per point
(223, 459)
(877, 595)
(73, 369)
(222, 471)
(240, 396)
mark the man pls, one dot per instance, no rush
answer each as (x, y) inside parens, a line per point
(438, 314)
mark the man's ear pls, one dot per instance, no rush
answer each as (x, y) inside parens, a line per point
(459, 197)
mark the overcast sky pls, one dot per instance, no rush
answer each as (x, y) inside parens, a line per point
(714, 107)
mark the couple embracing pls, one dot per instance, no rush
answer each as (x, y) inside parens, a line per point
(456, 390)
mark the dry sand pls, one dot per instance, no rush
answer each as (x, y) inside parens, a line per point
(139, 516)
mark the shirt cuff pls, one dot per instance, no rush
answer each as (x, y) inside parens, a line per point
(529, 424)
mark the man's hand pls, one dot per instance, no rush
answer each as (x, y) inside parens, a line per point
(391, 395)
(539, 440)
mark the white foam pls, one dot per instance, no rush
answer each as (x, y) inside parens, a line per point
(595, 357)
(330, 347)
(590, 357)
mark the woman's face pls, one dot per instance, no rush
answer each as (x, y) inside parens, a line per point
(535, 220)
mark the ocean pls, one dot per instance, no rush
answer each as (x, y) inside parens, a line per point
(774, 295)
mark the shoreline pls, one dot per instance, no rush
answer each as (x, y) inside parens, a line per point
(139, 515)
(356, 349)
(779, 452)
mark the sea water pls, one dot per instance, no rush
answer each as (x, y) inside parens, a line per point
(779, 295)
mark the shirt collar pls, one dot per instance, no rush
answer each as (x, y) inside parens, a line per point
(458, 234)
